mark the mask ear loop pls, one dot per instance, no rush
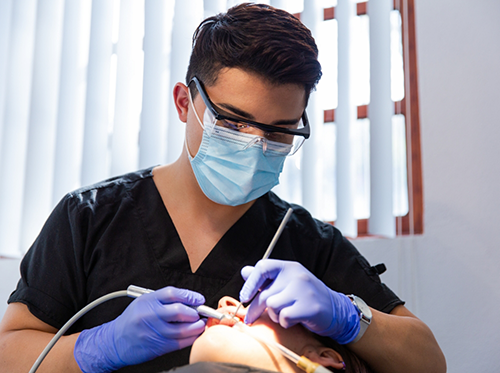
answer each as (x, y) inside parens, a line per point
(199, 122)
(208, 117)
(194, 109)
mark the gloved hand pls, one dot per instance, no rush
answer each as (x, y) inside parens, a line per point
(294, 296)
(152, 325)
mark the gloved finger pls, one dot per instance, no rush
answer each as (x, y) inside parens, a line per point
(246, 271)
(264, 270)
(179, 331)
(282, 295)
(274, 315)
(279, 302)
(177, 312)
(290, 316)
(256, 308)
(259, 303)
(171, 294)
(281, 317)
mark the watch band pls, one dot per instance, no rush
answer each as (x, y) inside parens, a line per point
(365, 315)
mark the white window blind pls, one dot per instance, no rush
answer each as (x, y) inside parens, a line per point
(86, 94)
(355, 168)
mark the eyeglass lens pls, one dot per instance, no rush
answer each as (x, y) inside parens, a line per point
(272, 143)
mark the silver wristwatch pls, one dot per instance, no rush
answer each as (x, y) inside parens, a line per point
(365, 315)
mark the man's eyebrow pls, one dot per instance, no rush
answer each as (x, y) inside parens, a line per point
(241, 113)
(244, 115)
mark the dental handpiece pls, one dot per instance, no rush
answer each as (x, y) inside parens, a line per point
(134, 291)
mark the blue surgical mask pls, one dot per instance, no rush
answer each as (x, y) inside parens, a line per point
(230, 166)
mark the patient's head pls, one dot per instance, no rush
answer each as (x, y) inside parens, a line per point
(222, 343)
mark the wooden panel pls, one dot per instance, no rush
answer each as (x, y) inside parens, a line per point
(329, 115)
(362, 111)
(413, 222)
(328, 13)
(361, 9)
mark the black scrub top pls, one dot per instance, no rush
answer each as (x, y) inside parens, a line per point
(105, 237)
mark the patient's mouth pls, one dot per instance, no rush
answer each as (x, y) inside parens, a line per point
(228, 321)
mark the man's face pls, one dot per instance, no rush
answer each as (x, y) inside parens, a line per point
(247, 96)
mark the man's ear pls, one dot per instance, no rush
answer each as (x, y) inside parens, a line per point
(325, 356)
(181, 100)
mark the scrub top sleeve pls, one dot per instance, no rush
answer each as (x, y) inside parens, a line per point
(52, 282)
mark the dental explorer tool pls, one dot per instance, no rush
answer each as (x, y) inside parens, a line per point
(269, 251)
(278, 233)
(301, 361)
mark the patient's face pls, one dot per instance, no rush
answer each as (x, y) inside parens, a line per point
(221, 343)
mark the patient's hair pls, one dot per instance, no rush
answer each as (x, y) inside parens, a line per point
(353, 363)
(259, 39)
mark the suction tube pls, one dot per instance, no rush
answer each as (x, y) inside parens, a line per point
(301, 361)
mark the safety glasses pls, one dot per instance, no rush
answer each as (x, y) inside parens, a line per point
(289, 136)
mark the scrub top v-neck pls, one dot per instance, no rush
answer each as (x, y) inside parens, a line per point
(239, 246)
(117, 233)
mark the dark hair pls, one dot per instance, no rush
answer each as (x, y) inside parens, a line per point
(353, 363)
(256, 38)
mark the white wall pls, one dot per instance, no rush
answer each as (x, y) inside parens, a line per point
(449, 275)
(9, 275)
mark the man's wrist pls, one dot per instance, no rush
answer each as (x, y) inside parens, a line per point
(90, 355)
(365, 315)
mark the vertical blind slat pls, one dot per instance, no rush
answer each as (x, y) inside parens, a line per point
(311, 166)
(282, 4)
(5, 21)
(70, 120)
(188, 14)
(155, 96)
(95, 157)
(212, 7)
(16, 119)
(380, 111)
(124, 150)
(345, 119)
(43, 119)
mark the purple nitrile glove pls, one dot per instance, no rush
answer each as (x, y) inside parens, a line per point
(152, 325)
(294, 296)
